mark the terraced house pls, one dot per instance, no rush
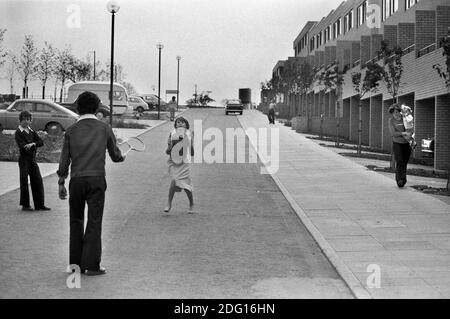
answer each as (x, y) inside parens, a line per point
(349, 37)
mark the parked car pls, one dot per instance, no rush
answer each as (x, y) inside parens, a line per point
(138, 104)
(102, 112)
(234, 106)
(152, 101)
(4, 106)
(47, 116)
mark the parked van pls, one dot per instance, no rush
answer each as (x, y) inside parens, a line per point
(120, 96)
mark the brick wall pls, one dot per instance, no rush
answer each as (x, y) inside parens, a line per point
(406, 34)
(343, 52)
(321, 103)
(442, 21)
(365, 49)
(316, 105)
(365, 112)
(327, 104)
(390, 35)
(329, 126)
(332, 104)
(354, 118)
(425, 29)
(347, 56)
(356, 52)
(424, 114)
(333, 54)
(442, 127)
(321, 57)
(345, 120)
(327, 55)
(375, 121)
(375, 44)
(386, 135)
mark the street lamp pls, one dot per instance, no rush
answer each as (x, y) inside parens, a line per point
(94, 62)
(113, 8)
(178, 78)
(159, 46)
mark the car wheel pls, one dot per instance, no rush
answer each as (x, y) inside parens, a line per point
(54, 129)
(240, 113)
(226, 113)
(140, 109)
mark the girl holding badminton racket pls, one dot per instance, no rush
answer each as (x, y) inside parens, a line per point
(180, 149)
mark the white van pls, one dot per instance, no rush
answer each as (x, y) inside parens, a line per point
(120, 97)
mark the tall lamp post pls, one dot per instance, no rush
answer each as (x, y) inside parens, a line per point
(113, 8)
(159, 46)
(94, 62)
(178, 79)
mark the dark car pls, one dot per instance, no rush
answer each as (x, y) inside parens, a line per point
(152, 101)
(234, 106)
(103, 110)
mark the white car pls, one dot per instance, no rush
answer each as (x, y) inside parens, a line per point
(138, 104)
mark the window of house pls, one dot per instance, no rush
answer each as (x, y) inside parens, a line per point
(345, 24)
(338, 26)
(410, 3)
(361, 14)
(389, 7)
(350, 20)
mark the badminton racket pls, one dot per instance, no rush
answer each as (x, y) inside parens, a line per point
(133, 144)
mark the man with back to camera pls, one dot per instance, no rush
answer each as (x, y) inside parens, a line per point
(84, 149)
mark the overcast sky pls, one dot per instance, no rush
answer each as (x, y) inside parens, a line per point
(224, 44)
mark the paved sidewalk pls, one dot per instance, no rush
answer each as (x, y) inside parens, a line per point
(363, 221)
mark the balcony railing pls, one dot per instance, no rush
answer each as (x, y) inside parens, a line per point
(426, 50)
(356, 63)
(409, 49)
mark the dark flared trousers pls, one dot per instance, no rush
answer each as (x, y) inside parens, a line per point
(31, 168)
(402, 152)
(271, 116)
(86, 246)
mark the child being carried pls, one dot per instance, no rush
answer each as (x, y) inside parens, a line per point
(408, 122)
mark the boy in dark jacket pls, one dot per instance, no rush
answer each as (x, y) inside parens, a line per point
(28, 141)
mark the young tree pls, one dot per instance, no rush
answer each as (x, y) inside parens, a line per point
(304, 81)
(444, 73)
(78, 70)
(363, 85)
(3, 52)
(204, 99)
(130, 88)
(10, 70)
(45, 65)
(62, 67)
(393, 68)
(333, 80)
(267, 92)
(27, 63)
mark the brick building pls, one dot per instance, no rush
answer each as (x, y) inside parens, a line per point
(351, 35)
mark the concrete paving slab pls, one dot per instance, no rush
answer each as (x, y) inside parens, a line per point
(394, 222)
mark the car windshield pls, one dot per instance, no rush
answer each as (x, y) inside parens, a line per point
(234, 102)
